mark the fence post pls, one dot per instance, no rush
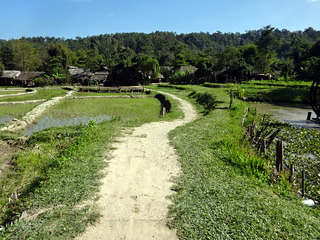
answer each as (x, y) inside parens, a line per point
(263, 146)
(291, 177)
(279, 156)
(163, 111)
(309, 116)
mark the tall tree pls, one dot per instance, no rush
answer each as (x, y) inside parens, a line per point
(148, 67)
(265, 45)
(21, 55)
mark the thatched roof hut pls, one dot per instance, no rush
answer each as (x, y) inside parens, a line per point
(188, 69)
(7, 77)
(26, 78)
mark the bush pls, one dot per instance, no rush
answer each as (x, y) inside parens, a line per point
(41, 82)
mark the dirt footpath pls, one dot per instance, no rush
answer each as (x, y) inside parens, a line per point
(134, 193)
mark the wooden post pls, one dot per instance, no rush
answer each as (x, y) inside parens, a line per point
(279, 156)
(291, 177)
(163, 111)
(303, 183)
(263, 147)
(309, 116)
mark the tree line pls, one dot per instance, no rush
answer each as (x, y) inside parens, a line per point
(217, 57)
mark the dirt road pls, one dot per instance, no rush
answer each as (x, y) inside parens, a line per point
(134, 195)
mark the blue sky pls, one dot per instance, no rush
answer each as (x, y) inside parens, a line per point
(71, 18)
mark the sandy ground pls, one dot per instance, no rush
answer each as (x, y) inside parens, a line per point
(134, 194)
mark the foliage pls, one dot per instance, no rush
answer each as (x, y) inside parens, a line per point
(42, 81)
(219, 57)
(223, 191)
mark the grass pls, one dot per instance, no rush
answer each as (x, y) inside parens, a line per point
(279, 92)
(121, 107)
(225, 191)
(40, 94)
(56, 174)
(9, 111)
(106, 94)
(9, 92)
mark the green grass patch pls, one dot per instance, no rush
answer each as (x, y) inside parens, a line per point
(56, 174)
(9, 111)
(40, 94)
(9, 92)
(224, 191)
(277, 92)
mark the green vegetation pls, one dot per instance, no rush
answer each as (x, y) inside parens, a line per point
(55, 175)
(9, 92)
(126, 108)
(274, 91)
(40, 94)
(226, 190)
(105, 94)
(135, 58)
(9, 111)
(301, 148)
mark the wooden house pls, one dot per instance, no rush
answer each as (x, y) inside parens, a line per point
(7, 77)
(25, 79)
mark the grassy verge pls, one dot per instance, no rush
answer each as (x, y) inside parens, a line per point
(55, 176)
(225, 191)
(40, 94)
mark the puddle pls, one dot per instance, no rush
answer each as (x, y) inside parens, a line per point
(49, 122)
(294, 115)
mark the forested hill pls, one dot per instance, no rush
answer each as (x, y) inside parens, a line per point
(265, 50)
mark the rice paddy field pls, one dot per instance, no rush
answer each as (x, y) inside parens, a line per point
(41, 93)
(81, 111)
(10, 111)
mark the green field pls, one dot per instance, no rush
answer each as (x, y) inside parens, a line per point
(226, 189)
(40, 94)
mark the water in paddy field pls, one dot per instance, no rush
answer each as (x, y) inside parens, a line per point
(5, 119)
(49, 122)
(295, 115)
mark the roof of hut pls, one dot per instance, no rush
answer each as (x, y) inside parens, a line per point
(10, 74)
(74, 71)
(100, 76)
(188, 68)
(29, 75)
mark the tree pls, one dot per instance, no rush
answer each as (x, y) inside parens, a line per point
(148, 67)
(21, 55)
(2, 68)
(265, 45)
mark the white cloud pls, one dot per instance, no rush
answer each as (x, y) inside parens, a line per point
(313, 0)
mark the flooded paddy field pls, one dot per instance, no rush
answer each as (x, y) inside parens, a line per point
(295, 115)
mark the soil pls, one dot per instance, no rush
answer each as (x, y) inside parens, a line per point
(135, 192)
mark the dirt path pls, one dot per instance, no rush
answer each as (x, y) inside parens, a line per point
(134, 193)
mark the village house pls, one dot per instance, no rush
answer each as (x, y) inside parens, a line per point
(101, 77)
(18, 78)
